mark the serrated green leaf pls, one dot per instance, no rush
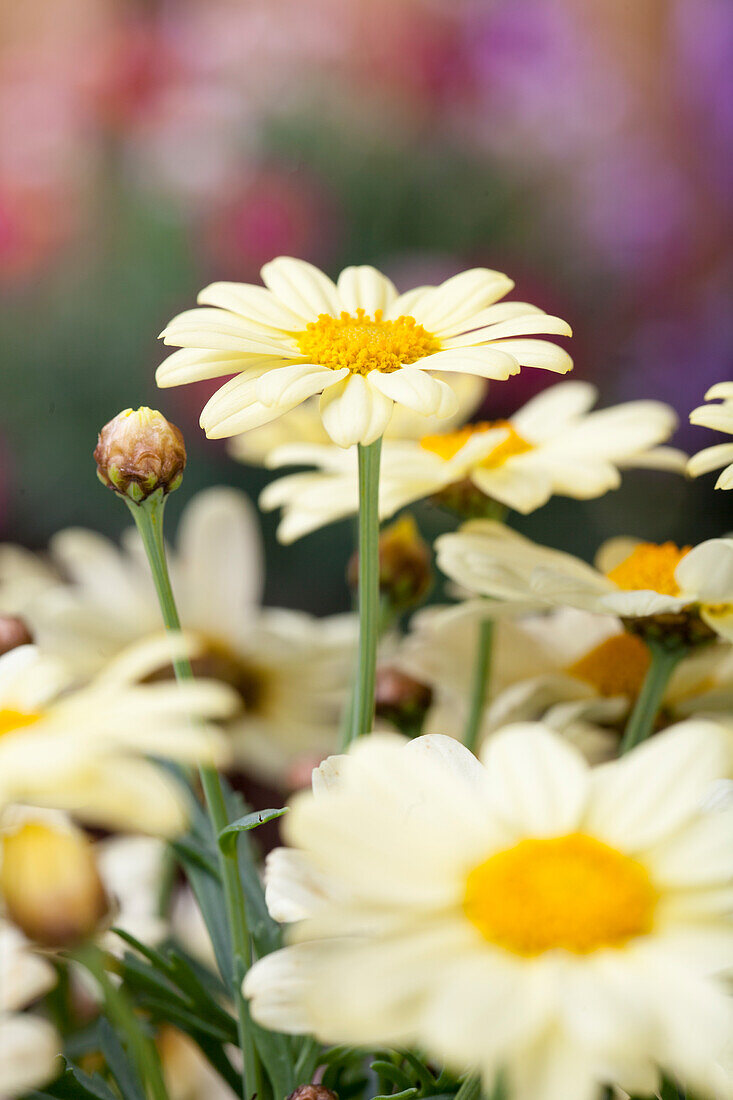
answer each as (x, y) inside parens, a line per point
(228, 837)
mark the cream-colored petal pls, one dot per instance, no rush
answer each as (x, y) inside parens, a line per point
(619, 431)
(717, 417)
(460, 298)
(294, 889)
(722, 390)
(532, 324)
(488, 362)
(707, 571)
(301, 288)
(549, 413)
(711, 458)
(521, 489)
(613, 551)
(354, 411)
(501, 311)
(194, 365)
(415, 389)
(254, 303)
(537, 353)
(26, 975)
(30, 1051)
(295, 383)
(365, 288)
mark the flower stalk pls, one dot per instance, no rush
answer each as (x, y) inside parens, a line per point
(362, 717)
(479, 683)
(665, 659)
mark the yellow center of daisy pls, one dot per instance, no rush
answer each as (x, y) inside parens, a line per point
(650, 566)
(571, 893)
(447, 445)
(12, 720)
(363, 343)
(615, 667)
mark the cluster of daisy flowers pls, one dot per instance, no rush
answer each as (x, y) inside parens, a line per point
(508, 867)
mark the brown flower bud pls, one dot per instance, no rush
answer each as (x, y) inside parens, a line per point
(140, 452)
(49, 881)
(13, 633)
(401, 700)
(312, 1092)
(405, 573)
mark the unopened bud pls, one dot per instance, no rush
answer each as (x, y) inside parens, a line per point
(405, 573)
(13, 633)
(49, 882)
(312, 1092)
(401, 700)
(140, 452)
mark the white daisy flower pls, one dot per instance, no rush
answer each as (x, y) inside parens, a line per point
(29, 1044)
(553, 445)
(634, 579)
(574, 670)
(720, 418)
(86, 750)
(291, 670)
(358, 343)
(529, 915)
(303, 424)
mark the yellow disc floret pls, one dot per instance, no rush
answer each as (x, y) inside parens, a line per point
(12, 720)
(650, 566)
(570, 893)
(363, 343)
(447, 445)
(615, 667)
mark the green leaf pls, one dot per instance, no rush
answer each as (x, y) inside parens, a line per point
(470, 1088)
(398, 1095)
(119, 1064)
(388, 1071)
(228, 837)
(74, 1084)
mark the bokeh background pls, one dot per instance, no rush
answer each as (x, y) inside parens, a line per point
(147, 148)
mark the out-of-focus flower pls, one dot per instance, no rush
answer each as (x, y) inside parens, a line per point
(291, 670)
(23, 578)
(663, 589)
(405, 565)
(50, 883)
(497, 914)
(720, 418)
(131, 868)
(553, 445)
(266, 446)
(188, 1075)
(86, 750)
(29, 1044)
(359, 344)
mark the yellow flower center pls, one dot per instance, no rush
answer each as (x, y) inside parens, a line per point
(12, 720)
(615, 667)
(650, 566)
(572, 893)
(363, 343)
(447, 445)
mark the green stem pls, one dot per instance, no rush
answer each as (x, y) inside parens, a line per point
(123, 1018)
(479, 683)
(664, 660)
(363, 704)
(148, 518)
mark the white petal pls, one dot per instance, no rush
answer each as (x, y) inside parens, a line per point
(711, 458)
(502, 311)
(488, 362)
(514, 485)
(294, 889)
(531, 324)
(29, 1049)
(365, 288)
(717, 417)
(302, 288)
(415, 389)
(194, 365)
(723, 390)
(295, 383)
(254, 303)
(459, 298)
(547, 414)
(354, 411)
(707, 571)
(537, 353)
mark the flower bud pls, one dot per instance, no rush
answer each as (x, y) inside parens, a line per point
(312, 1092)
(405, 573)
(140, 452)
(49, 881)
(401, 700)
(13, 633)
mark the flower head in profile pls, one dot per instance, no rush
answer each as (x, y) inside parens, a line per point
(554, 445)
(358, 343)
(563, 925)
(719, 416)
(659, 588)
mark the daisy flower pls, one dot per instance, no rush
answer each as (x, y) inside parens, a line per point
(87, 750)
(358, 343)
(291, 670)
(528, 915)
(684, 588)
(720, 418)
(553, 445)
(29, 1044)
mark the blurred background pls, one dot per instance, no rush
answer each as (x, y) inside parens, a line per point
(148, 148)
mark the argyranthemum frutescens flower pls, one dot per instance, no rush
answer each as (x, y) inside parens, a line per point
(682, 588)
(29, 1044)
(357, 342)
(291, 670)
(575, 670)
(86, 749)
(720, 418)
(553, 445)
(562, 925)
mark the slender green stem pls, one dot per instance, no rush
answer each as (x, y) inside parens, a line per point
(664, 660)
(363, 704)
(122, 1016)
(479, 683)
(149, 521)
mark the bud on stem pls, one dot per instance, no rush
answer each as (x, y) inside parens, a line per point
(405, 573)
(140, 453)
